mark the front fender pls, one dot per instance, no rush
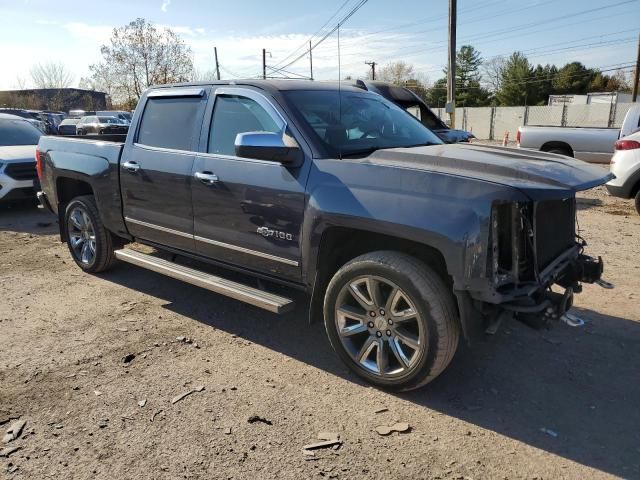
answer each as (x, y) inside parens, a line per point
(448, 213)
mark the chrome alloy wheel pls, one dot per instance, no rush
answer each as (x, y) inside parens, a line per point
(379, 326)
(82, 236)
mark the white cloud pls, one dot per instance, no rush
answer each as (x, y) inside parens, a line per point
(242, 54)
(91, 33)
(165, 5)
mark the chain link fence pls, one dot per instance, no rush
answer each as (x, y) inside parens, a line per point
(491, 123)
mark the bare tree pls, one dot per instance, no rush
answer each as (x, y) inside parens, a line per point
(21, 83)
(203, 75)
(397, 73)
(493, 69)
(51, 75)
(138, 56)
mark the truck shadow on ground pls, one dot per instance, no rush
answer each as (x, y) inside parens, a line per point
(573, 392)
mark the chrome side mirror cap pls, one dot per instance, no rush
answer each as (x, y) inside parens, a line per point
(274, 147)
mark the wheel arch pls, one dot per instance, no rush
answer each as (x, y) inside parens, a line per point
(557, 145)
(68, 188)
(339, 244)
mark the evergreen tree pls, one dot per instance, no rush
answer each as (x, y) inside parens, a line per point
(515, 83)
(573, 78)
(469, 92)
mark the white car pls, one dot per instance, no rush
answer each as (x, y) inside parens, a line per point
(18, 141)
(625, 165)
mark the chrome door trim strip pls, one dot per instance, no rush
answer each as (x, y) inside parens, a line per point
(229, 246)
(158, 227)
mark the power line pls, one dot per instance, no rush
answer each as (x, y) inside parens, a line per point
(500, 33)
(314, 34)
(346, 17)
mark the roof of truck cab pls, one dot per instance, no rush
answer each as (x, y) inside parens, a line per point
(273, 84)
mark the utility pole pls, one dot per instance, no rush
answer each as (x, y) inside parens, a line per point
(310, 60)
(451, 71)
(264, 64)
(215, 53)
(373, 69)
(636, 76)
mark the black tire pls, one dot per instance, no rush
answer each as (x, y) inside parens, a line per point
(105, 242)
(79, 132)
(436, 316)
(560, 151)
(638, 202)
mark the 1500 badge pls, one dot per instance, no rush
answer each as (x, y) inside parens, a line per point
(268, 232)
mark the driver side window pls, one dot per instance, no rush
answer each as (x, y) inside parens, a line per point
(233, 114)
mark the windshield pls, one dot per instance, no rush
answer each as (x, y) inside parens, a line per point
(18, 132)
(367, 122)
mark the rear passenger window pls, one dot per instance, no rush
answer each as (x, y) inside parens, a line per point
(233, 115)
(170, 123)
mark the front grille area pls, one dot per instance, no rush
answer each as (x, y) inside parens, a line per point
(21, 171)
(554, 229)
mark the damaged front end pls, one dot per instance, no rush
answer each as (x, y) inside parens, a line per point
(536, 261)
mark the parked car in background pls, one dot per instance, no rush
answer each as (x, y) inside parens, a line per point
(49, 120)
(625, 165)
(68, 126)
(98, 125)
(122, 115)
(18, 140)
(25, 114)
(80, 113)
(412, 103)
(585, 143)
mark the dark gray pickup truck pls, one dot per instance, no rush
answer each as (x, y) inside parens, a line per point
(403, 243)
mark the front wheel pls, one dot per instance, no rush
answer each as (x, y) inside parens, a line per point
(90, 243)
(638, 202)
(392, 320)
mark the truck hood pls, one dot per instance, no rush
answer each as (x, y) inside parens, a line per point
(18, 153)
(539, 175)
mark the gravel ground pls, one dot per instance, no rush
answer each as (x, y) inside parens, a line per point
(556, 403)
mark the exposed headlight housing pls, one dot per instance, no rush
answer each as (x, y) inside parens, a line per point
(511, 243)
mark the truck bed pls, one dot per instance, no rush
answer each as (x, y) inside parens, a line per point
(101, 146)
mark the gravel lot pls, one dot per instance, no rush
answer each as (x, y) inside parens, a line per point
(557, 403)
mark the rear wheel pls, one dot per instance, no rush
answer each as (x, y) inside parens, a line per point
(91, 245)
(638, 202)
(391, 319)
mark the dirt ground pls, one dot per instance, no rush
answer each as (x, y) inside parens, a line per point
(557, 403)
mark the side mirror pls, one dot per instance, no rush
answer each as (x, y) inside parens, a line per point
(275, 147)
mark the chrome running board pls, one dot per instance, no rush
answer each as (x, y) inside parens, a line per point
(244, 293)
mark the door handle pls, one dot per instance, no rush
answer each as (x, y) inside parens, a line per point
(207, 178)
(131, 167)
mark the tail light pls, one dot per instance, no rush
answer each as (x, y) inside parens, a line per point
(38, 164)
(627, 145)
(518, 137)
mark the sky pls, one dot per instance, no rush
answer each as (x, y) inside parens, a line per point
(599, 33)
